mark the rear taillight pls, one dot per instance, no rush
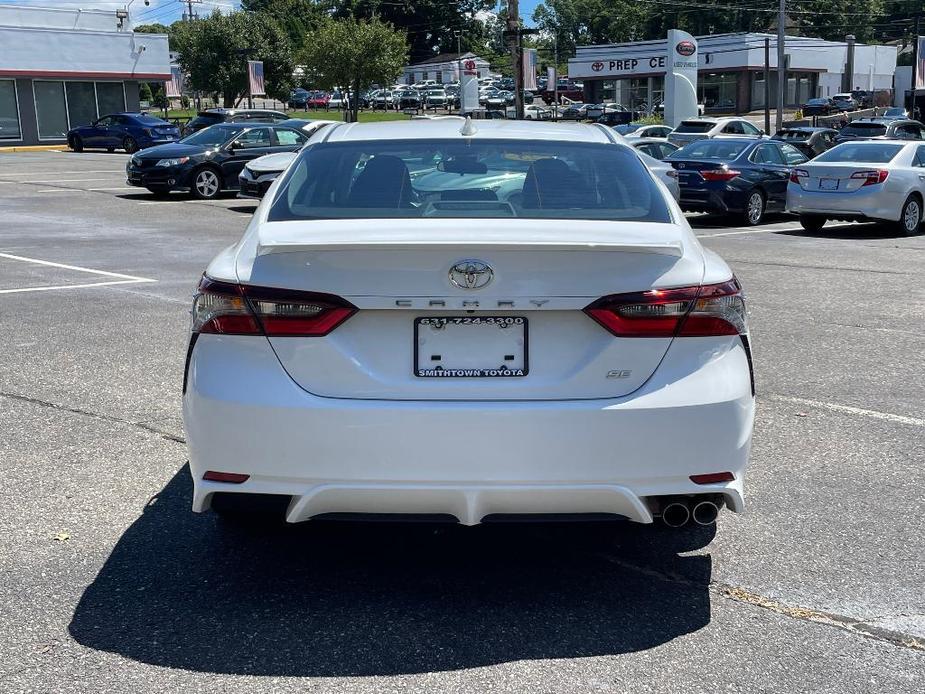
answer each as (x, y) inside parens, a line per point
(713, 309)
(720, 174)
(797, 174)
(872, 177)
(232, 309)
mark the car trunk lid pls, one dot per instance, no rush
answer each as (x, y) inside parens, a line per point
(417, 317)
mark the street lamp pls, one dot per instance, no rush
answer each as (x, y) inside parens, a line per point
(122, 14)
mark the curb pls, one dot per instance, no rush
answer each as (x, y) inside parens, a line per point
(33, 148)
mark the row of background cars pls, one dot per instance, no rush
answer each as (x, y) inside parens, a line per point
(718, 165)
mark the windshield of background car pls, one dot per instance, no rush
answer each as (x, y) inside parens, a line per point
(468, 179)
(817, 102)
(859, 152)
(695, 126)
(864, 129)
(212, 136)
(205, 120)
(149, 120)
(798, 135)
(627, 129)
(720, 150)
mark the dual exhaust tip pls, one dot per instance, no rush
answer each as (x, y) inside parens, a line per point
(678, 513)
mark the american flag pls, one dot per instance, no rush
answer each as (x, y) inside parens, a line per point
(255, 77)
(175, 85)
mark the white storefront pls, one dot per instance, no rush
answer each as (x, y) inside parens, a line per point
(731, 72)
(443, 68)
(60, 68)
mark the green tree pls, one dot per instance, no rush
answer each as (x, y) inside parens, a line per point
(144, 92)
(431, 25)
(355, 54)
(213, 52)
(298, 18)
(155, 28)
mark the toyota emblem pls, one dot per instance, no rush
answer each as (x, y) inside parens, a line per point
(686, 48)
(471, 274)
(598, 66)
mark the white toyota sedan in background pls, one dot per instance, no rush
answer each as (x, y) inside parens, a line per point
(536, 333)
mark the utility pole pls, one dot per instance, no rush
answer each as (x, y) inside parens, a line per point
(767, 85)
(781, 64)
(915, 66)
(513, 35)
(555, 86)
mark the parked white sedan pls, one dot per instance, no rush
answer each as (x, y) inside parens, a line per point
(875, 180)
(566, 349)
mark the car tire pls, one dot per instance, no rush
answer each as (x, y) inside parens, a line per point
(206, 183)
(812, 222)
(129, 145)
(910, 217)
(75, 143)
(754, 208)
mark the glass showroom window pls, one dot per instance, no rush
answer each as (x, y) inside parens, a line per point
(50, 109)
(81, 103)
(9, 112)
(110, 97)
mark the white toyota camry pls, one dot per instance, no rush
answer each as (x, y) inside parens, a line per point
(474, 322)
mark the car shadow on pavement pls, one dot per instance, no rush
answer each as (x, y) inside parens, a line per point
(720, 221)
(849, 232)
(189, 591)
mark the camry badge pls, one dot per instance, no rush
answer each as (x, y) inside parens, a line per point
(471, 274)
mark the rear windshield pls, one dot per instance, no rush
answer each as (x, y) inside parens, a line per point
(214, 135)
(203, 120)
(864, 129)
(867, 153)
(720, 150)
(468, 179)
(694, 126)
(149, 120)
(627, 129)
(792, 135)
(817, 102)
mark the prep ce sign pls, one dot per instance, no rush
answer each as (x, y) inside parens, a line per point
(629, 65)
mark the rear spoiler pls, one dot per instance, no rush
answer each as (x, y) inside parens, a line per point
(419, 234)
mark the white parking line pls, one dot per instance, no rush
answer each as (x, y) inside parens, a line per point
(96, 190)
(847, 409)
(59, 173)
(71, 286)
(118, 277)
(746, 231)
(65, 180)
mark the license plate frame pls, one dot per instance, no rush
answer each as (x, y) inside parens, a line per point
(828, 184)
(472, 372)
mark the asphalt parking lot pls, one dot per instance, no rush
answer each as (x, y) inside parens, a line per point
(108, 583)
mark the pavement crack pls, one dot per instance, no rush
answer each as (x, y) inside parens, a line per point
(741, 595)
(166, 435)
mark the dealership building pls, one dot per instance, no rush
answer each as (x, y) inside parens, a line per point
(443, 68)
(731, 70)
(60, 68)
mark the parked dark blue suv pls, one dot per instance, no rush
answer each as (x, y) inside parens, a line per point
(128, 131)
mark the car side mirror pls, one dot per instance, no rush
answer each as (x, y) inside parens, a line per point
(236, 145)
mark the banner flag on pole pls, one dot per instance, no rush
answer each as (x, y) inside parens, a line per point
(920, 67)
(255, 77)
(550, 77)
(529, 63)
(174, 88)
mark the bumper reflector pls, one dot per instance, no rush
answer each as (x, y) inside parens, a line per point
(712, 478)
(231, 477)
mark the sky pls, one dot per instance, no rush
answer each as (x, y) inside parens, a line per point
(168, 11)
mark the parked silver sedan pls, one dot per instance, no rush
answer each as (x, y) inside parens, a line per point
(876, 180)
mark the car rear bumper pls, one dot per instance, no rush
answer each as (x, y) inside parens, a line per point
(243, 414)
(860, 204)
